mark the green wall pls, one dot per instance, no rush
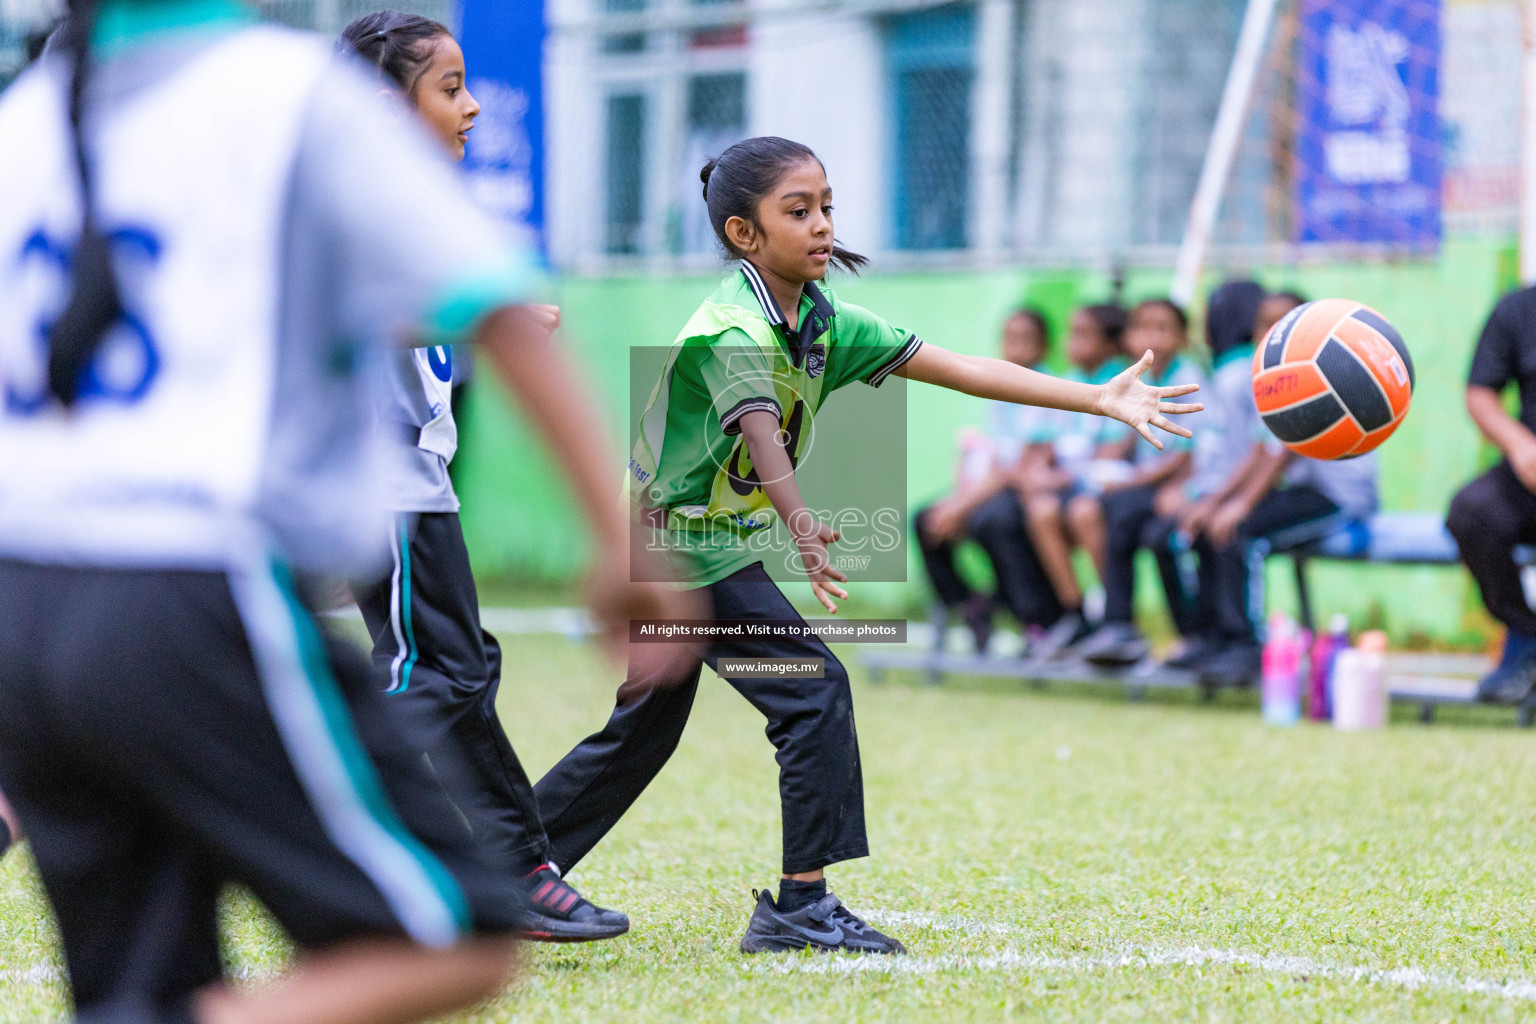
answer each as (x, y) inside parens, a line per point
(521, 529)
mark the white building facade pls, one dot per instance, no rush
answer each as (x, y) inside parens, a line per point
(977, 132)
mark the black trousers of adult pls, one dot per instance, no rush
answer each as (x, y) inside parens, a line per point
(998, 526)
(1488, 518)
(1225, 610)
(436, 664)
(810, 724)
(1132, 523)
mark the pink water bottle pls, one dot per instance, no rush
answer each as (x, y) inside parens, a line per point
(1281, 683)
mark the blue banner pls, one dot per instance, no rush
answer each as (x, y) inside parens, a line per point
(503, 44)
(1367, 156)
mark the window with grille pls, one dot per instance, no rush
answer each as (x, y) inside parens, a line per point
(930, 55)
(717, 117)
(625, 173)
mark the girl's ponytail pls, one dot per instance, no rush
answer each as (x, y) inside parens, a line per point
(94, 300)
(848, 259)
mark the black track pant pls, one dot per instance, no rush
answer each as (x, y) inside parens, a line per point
(998, 526)
(1488, 518)
(164, 733)
(810, 724)
(436, 664)
(1228, 610)
(1132, 523)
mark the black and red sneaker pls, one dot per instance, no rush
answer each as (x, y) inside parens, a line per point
(558, 913)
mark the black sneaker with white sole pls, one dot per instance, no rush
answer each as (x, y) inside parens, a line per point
(825, 925)
(558, 913)
(1197, 651)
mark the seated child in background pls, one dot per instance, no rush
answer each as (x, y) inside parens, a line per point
(1233, 438)
(1275, 495)
(1130, 510)
(985, 507)
(1055, 475)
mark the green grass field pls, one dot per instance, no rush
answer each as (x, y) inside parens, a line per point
(1052, 855)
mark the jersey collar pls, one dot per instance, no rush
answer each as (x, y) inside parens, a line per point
(813, 322)
(1177, 367)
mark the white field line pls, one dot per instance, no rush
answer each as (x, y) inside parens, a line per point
(48, 974)
(1136, 958)
(1130, 958)
(38, 974)
(900, 918)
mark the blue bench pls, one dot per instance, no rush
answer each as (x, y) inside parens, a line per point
(1391, 538)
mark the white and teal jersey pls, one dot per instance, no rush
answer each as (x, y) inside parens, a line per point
(419, 414)
(1015, 427)
(1229, 427)
(1073, 436)
(267, 260)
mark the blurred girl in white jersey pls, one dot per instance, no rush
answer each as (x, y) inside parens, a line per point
(206, 241)
(430, 654)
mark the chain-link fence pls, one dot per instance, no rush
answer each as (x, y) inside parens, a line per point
(1040, 131)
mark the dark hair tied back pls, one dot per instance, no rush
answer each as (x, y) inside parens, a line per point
(736, 181)
(94, 300)
(399, 45)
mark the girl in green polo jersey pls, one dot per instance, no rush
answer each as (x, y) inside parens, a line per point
(714, 467)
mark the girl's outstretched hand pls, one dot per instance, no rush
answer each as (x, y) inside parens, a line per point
(812, 538)
(1129, 400)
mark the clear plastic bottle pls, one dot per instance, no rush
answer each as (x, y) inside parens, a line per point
(1360, 685)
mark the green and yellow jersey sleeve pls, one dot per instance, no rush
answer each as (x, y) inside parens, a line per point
(868, 348)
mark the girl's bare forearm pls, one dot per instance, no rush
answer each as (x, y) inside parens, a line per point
(1000, 380)
(775, 472)
(1234, 483)
(1486, 408)
(1267, 470)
